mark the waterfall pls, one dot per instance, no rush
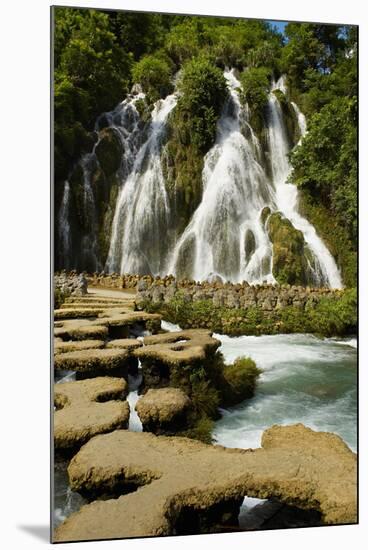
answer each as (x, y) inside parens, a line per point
(324, 269)
(225, 236)
(142, 210)
(64, 226)
(89, 245)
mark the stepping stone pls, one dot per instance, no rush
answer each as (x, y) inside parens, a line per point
(62, 347)
(89, 407)
(184, 347)
(92, 362)
(181, 480)
(163, 411)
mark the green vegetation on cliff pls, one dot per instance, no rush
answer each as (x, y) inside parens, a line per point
(192, 131)
(99, 55)
(289, 263)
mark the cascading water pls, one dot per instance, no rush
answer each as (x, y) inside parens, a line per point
(225, 235)
(125, 121)
(64, 226)
(323, 267)
(142, 211)
(89, 246)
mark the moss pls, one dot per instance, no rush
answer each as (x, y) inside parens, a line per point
(59, 297)
(144, 109)
(331, 317)
(289, 262)
(202, 430)
(182, 164)
(334, 235)
(266, 211)
(241, 378)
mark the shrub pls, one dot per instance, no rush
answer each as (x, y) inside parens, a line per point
(255, 83)
(153, 73)
(241, 379)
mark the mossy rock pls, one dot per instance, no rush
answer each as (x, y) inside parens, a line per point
(109, 150)
(266, 211)
(289, 263)
(240, 381)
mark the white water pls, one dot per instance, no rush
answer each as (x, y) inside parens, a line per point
(305, 379)
(135, 424)
(64, 226)
(323, 268)
(142, 211)
(225, 235)
(235, 189)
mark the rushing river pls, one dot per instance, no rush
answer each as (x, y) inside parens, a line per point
(304, 379)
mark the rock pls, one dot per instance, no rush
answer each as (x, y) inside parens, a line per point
(266, 211)
(297, 466)
(94, 361)
(289, 264)
(109, 150)
(81, 413)
(163, 411)
(81, 332)
(62, 347)
(180, 347)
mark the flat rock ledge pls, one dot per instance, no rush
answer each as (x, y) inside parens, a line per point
(296, 465)
(92, 361)
(89, 407)
(163, 410)
(182, 347)
(108, 323)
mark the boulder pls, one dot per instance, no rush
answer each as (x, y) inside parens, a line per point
(163, 411)
(181, 479)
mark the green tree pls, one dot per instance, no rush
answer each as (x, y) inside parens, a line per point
(324, 165)
(255, 87)
(154, 74)
(203, 92)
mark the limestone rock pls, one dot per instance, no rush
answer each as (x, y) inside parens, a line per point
(163, 410)
(93, 361)
(297, 466)
(180, 347)
(88, 407)
(62, 347)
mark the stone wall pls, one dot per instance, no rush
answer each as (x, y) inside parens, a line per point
(241, 295)
(70, 284)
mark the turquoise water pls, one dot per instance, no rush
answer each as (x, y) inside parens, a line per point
(304, 379)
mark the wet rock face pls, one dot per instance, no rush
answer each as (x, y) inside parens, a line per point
(109, 150)
(89, 407)
(182, 477)
(164, 411)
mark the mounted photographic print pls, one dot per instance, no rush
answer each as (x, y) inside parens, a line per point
(205, 271)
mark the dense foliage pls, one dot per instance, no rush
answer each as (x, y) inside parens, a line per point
(99, 55)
